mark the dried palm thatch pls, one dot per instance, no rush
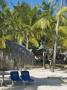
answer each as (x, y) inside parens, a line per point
(20, 53)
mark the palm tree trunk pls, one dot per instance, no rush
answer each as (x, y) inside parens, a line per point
(55, 44)
(44, 59)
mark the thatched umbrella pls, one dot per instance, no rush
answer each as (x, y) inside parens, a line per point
(20, 52)
(2, 58)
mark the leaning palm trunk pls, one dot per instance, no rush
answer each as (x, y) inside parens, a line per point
(55, 44)
(56, 38)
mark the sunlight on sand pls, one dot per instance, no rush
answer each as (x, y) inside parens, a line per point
(44, 80)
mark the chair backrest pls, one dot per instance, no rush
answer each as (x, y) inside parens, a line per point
(25, 75)
(14, 75)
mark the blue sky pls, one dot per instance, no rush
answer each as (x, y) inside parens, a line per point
(31, 2)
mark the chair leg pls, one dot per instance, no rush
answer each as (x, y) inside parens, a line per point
(12, 83)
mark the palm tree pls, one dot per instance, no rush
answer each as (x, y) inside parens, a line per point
(46, 23)
(23, 21)
(62, 9)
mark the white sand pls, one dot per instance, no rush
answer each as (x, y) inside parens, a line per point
(43, 80)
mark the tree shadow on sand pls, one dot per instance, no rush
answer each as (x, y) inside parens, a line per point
(49, 81)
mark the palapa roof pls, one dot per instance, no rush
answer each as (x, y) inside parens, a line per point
(20, 52)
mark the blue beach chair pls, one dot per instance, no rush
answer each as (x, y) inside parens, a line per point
(14, 76)
(25, 76)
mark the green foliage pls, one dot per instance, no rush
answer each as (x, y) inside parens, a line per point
(42, 23)
(63, 29)
(26, 25)
(34, 42)
(60, 12)
(49, 1)
(19, 38)
(1, 34)
(2, 43)
(2, 3)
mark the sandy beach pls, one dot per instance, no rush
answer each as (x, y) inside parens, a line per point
(43, 80)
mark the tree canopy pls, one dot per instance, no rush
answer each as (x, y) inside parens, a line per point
(32, 26)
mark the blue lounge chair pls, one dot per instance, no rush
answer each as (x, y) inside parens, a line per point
(14, 76)
(25, 76)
